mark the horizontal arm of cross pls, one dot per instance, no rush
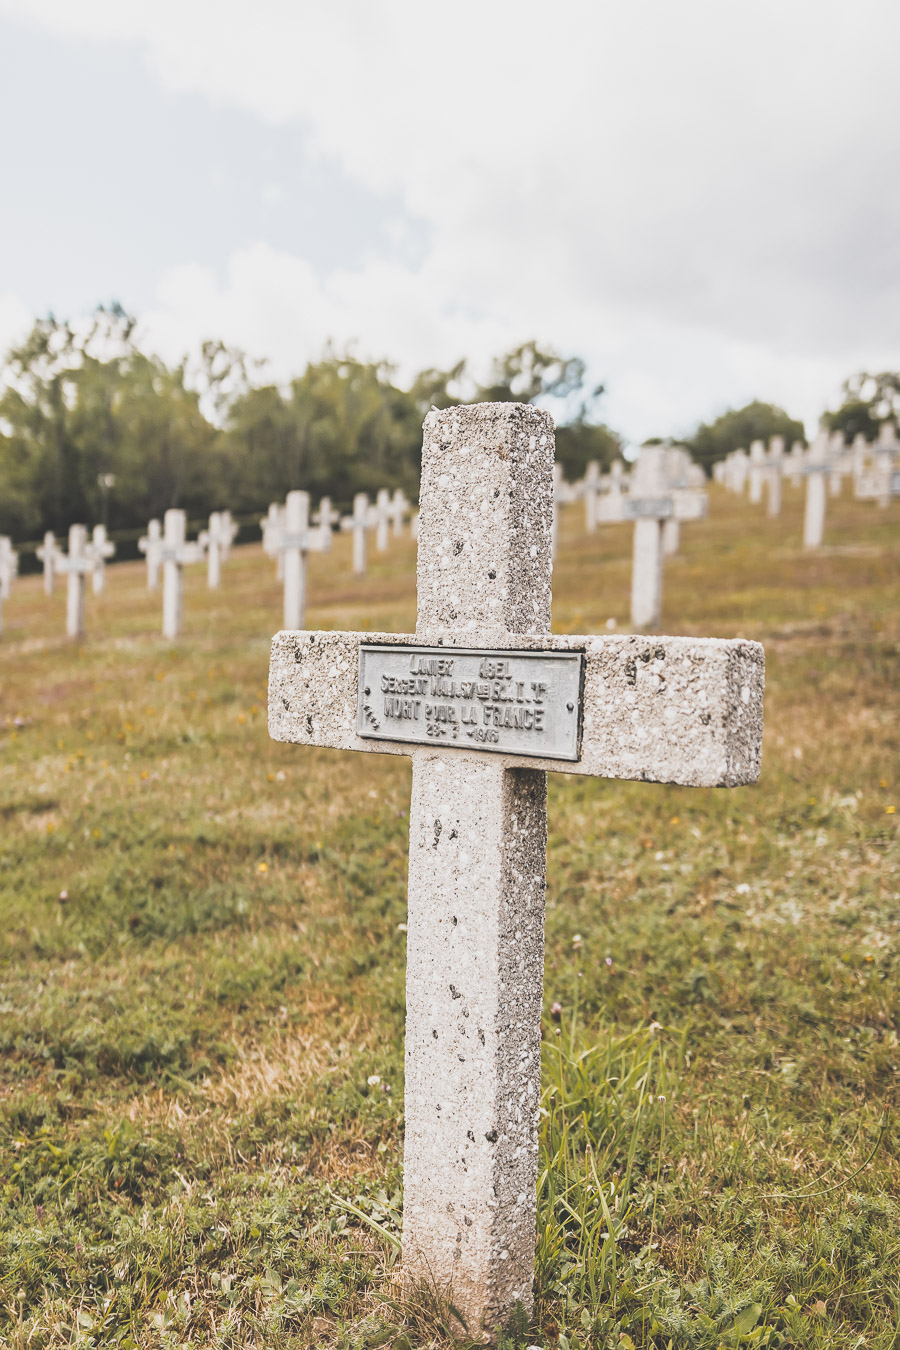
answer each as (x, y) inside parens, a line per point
(663, 709)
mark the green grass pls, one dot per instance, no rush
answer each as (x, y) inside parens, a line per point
(202, 965)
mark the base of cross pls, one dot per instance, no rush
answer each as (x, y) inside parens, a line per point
(485, 700)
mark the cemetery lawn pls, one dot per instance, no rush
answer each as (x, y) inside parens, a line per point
(202, 977)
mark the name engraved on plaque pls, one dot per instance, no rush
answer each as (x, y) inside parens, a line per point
(511, 702)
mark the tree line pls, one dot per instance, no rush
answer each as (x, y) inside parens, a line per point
(92, 428)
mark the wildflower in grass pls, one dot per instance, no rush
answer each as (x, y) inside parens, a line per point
(63, 897)
(373, 1080)
(144, 774)
(262, 867)
(576, 941)
(882, 782)
(609, 960)
(241, 717)
(890, 810)
(556, 1011)
(657, 1026)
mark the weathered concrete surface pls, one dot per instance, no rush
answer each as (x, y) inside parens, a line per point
(484, 524)
(661, 709)
(475, 969)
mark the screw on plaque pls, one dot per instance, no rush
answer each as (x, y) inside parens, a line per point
(570, 706)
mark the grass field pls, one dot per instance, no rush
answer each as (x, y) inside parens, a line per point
(202, 965)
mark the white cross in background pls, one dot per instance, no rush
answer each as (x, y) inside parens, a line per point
(379, 518)
(326, 519)
(101, 548)
(176, 554)
(151, 546)
(9, 568)
(76, 564)
(47, 553)
(297, 539)
(358, 523)
(485, 701)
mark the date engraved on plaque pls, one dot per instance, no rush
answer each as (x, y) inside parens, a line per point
(511, 702)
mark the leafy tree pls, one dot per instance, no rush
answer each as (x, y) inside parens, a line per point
(736, 428)
(81, 403)
(869, 400)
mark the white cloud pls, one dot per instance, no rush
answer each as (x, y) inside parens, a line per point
(700, 197)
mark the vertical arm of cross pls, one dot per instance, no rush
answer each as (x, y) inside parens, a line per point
(476, 879)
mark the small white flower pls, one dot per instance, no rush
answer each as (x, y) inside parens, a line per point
(373, 1080)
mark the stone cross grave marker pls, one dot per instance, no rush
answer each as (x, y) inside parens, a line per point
(176, 553)
(151, 547)
(774, 474)
(230, 531)
(297, 539)
(326, 519)
(815, 470)
(757, 471)
(76, 564)
(358, 524)
(9, 568)
(271, 525)
(102, 548)
(47, 553)
(380, 518)
(591, 491)
(397, 512)
(485, 701)
(215, 539)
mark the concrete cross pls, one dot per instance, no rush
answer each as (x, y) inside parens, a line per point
(379, 517)
(175, 554)
(326, 519)
(757, 471)
(102, 548)
(76, 564)
(650, 503)
(774, 471)
(216, 539)
(271, 525)
(9, 568)
(296, 540)
(230, 531)
(47, 553)
(151, 547)
(397, 511)
(815, 470)
(485, 701)
(358, 523)
(591, 490)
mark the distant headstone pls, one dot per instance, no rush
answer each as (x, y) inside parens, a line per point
(271, 524)
(297, 539)
(379, 518)
(76, 564)
(591, 491)
(398, 509)
(47, 553)
(9, 568)
(774, 470)
(816, 469)
(485, 701)
(102, 548)
(358, 524)
(326, 519)
(757, 471)
(177, 553)
(216, 539)
(151, 546)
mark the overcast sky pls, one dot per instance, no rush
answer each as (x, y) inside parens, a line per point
(701, 197)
